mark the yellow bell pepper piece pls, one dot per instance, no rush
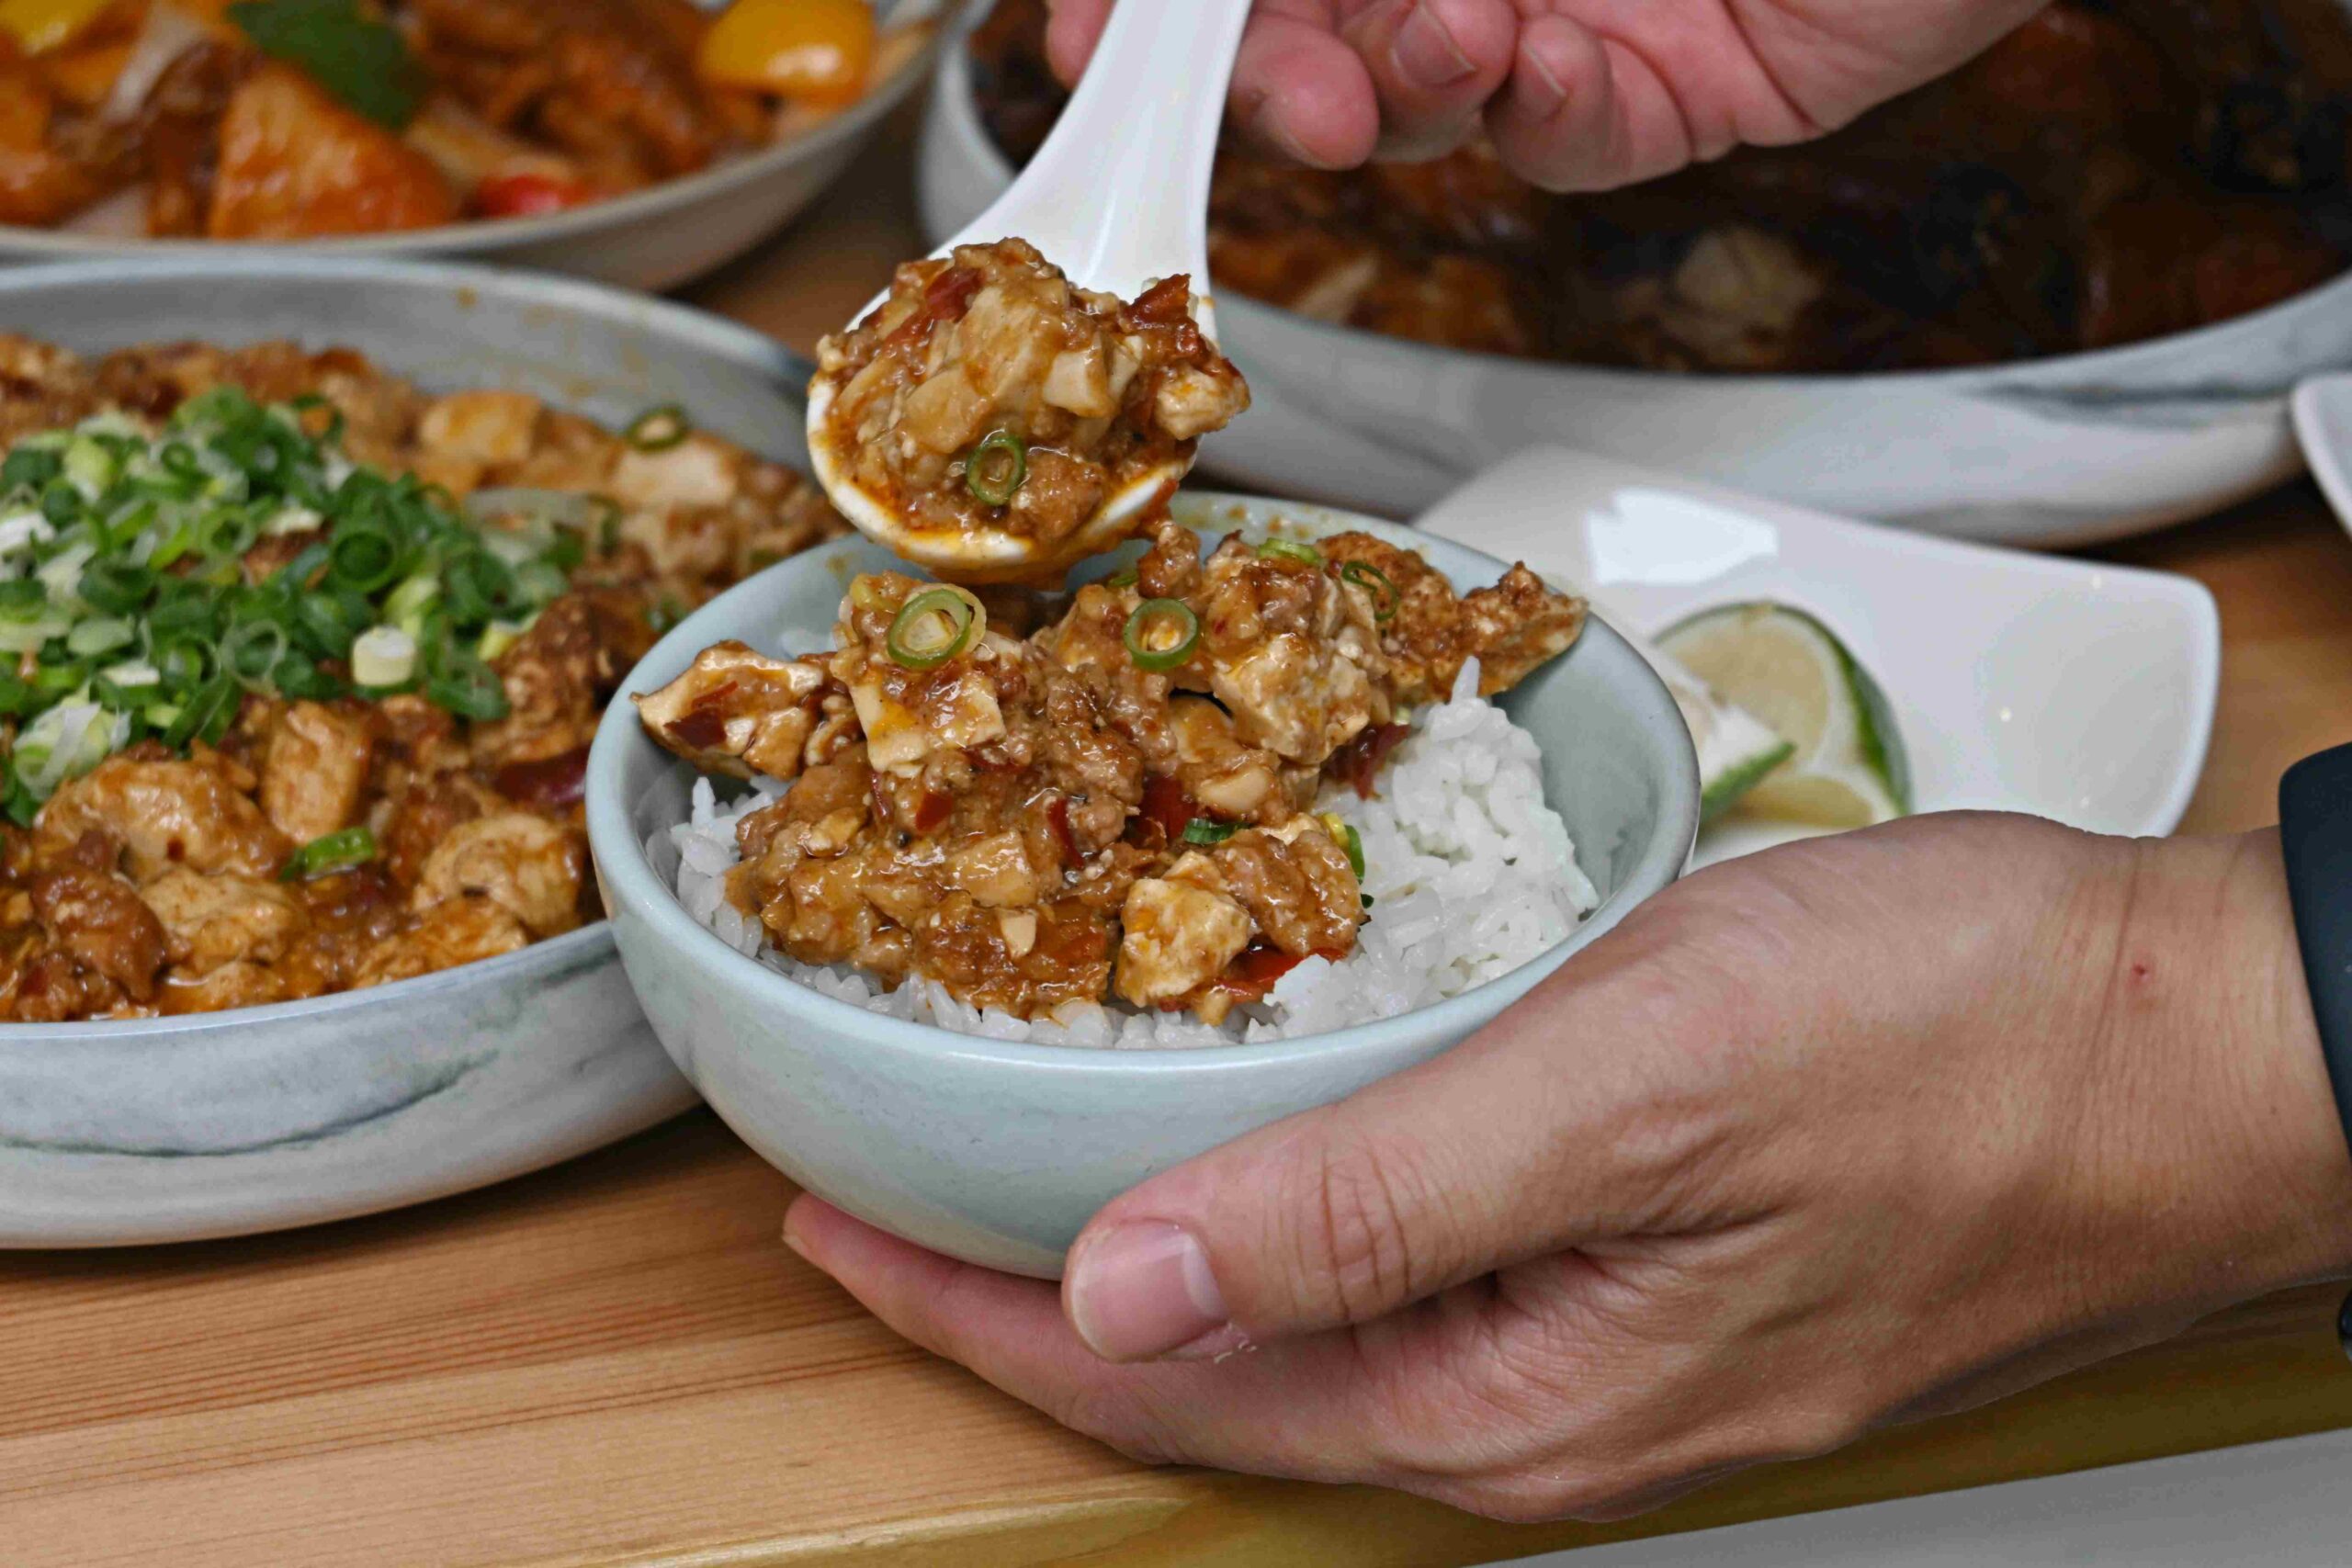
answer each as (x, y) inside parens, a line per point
(43, 25)
(812, 51)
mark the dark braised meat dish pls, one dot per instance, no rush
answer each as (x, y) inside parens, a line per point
(2116, 169)
(303, 663)
(988, 392)
(1121, 803)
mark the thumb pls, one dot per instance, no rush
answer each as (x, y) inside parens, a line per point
(1509, 1147)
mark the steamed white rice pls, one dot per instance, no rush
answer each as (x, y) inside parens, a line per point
(1470, 872)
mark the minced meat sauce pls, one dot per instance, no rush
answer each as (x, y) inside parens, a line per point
(303, 663)
(1118, 803)
(986, 391)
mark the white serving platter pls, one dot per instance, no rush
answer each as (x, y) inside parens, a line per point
(2067, 689)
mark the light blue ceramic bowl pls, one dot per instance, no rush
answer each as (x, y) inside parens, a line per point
(997, 1153)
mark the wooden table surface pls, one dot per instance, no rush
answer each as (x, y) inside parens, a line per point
(618, 1362)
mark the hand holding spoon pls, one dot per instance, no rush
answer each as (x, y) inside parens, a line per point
(1118, 196)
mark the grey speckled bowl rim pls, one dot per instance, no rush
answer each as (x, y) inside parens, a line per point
(621, 859)
(707, 333)
(579, 223)
(2087, 368)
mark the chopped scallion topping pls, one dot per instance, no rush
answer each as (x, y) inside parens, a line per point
(1162, 634)
(934, 627)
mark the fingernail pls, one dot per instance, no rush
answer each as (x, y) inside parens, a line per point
(1540, 91)
(1427, 54)
(1142, 1290)
(793, 1242)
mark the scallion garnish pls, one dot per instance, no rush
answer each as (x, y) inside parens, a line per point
(1378, 583)
(132, 602)
(326, 855)
(1290, 550)
(1162, 634)
(1202, 831)
(1349, 841)
(934, 627)
(997, 468)
(658, 429)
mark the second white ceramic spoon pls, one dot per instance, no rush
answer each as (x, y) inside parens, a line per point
(1118, 198)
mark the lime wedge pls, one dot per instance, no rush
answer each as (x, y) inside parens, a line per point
(1846, 768)
(1735, 749)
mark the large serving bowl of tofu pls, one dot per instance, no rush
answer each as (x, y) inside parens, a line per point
(943, 928)
(636, 141)
(318, 574)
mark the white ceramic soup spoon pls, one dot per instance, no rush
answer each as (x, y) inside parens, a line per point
(1118, 198)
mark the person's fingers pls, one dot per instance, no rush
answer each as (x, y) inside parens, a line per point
(1308, 1410)
(1300, 93)
(1536, 1137)
(1072, 29)
(1580, 113)
(1433, 65)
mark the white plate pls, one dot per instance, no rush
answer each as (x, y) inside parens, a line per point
(2067, 689)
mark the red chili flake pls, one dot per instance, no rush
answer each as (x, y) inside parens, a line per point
(1257, 970)
(1058, 820)
(550, 783)
(1166, 802)
(932, 809)
(952, 293)
(1358, 763)
(1165, 303)
(701, 727)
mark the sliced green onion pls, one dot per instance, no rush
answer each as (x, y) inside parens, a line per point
(364, 556)
(497, 638)
(31, 637)
(408, 602)
(189, 661)
(22, 600)
(934, 627)
(658, 429)
(102, 634)
(1202, 831)
(1126, 579)
(132, 673)
(1349, 841)
(227, 535)
(92, 466)
(29, 467)
(383, 656)
(476, 585)
(303, 680)
(468, 688)
(1162, 634)
(331, 853)
(60, 502)
(538, 583)
(1287, 549)
(206, 714)
(251, 650)
(1376, 582)
(116, 587)
(997, 468)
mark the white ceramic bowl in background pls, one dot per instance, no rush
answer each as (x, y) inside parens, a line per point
(267, 1117)
(2071, 690)
(656, 238)
(2065, 450)
(999, 1153)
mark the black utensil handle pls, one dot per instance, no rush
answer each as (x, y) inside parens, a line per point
(2315, 835)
